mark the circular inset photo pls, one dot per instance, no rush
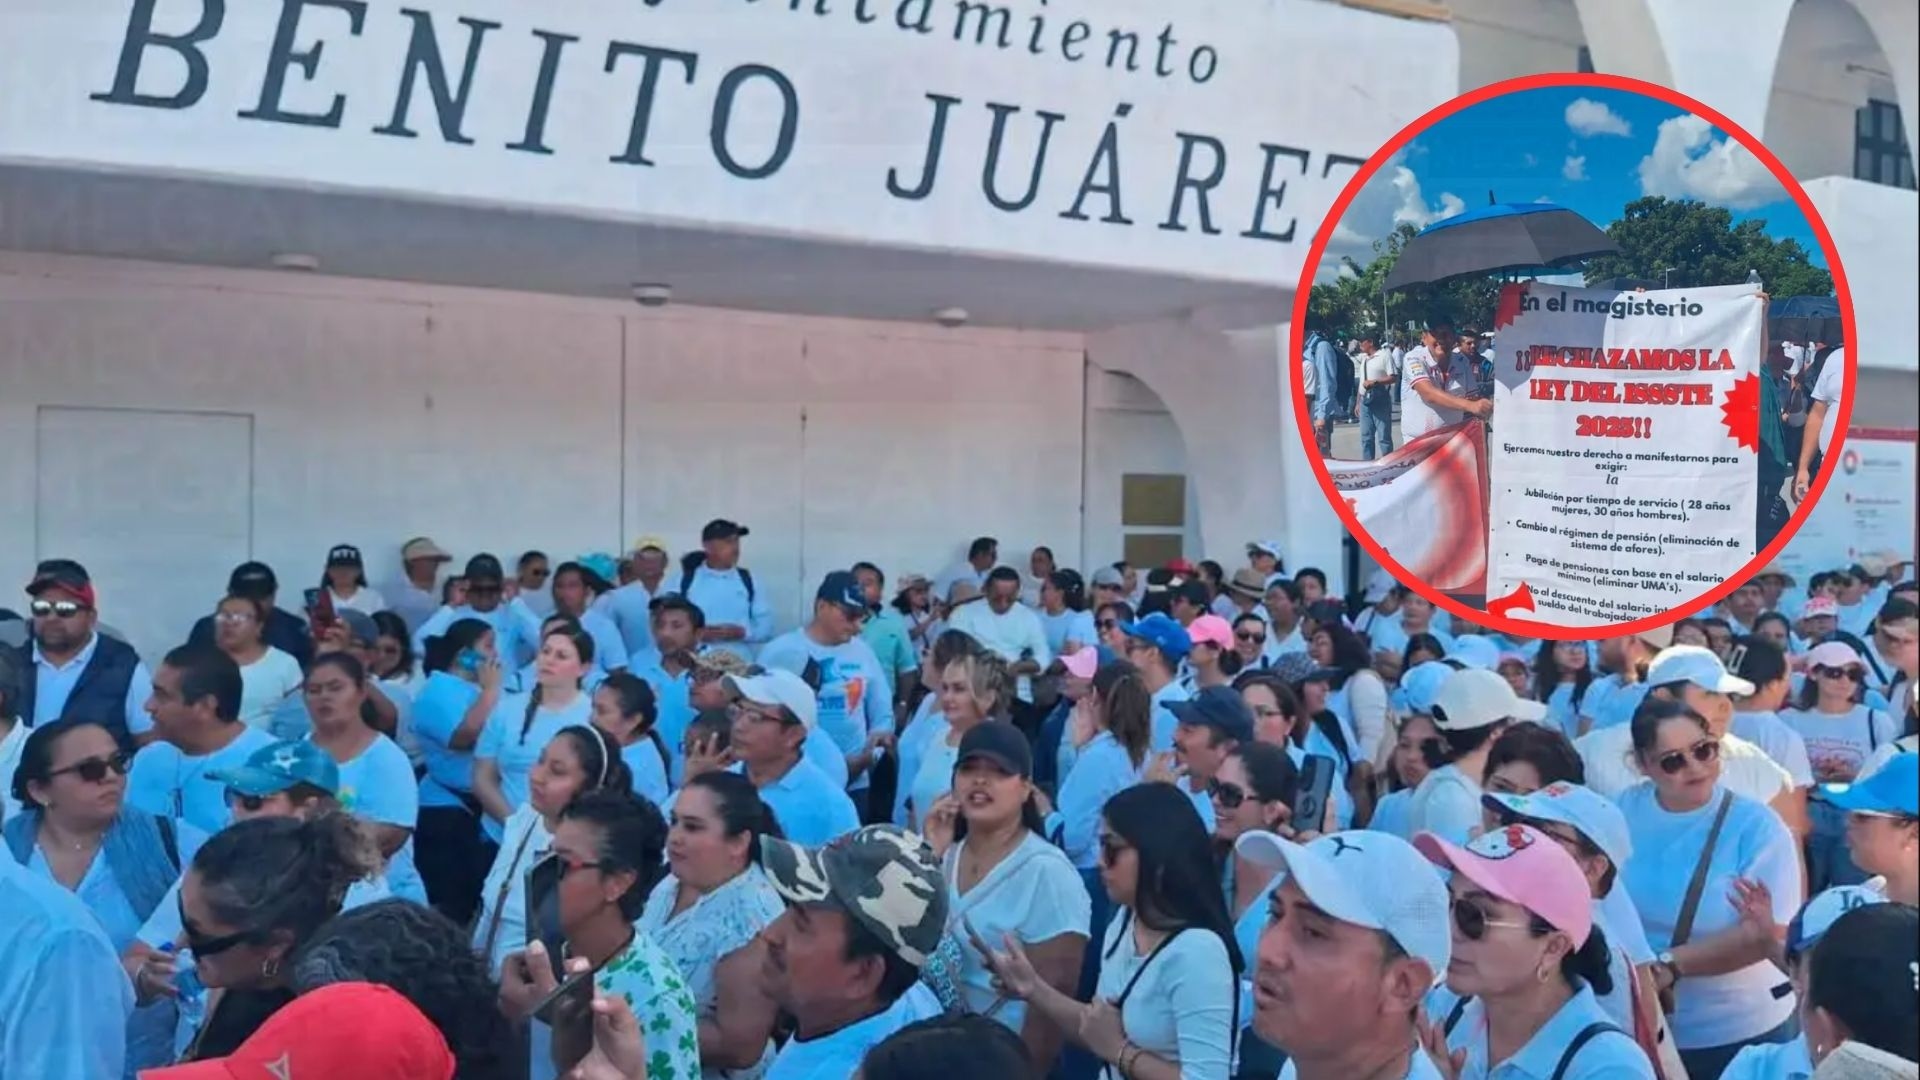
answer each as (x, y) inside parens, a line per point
(1572, 356)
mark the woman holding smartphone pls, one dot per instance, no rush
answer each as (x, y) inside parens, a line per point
(461, 690)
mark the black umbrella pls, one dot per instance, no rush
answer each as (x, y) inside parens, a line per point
(1805, 318)
(1523, 238)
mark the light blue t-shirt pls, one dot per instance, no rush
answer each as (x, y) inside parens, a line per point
(649, 771)
(442, 703)
(1164, 723)
(838, 1054)
(1772, 1061)
(809, 808)
(514, 751)
(516, 630)
(378, 786)
(673, 711)
(856, 695)
(1616, 705)
(168, 783)
(630, 608)
(1101, 771)
(1610, 1055)
(1067, 626)
(64, 998)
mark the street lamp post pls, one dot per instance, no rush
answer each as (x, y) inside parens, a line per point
(1666, 278)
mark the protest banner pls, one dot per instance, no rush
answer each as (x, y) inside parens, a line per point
(1425, 504)
(1623, 452)
(1867, 507)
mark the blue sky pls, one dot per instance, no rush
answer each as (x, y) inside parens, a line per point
(1590, 149)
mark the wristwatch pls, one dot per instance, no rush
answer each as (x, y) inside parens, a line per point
(1667, 961)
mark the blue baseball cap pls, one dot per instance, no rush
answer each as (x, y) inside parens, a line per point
(1219, 708)
(1163, 632)
(1895, 789)
(273, 769)
(843, 590)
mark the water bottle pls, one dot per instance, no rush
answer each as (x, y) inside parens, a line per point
(186, 978)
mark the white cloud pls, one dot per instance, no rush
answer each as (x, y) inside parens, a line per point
(1588, 117)
(1391, 197)
(1574, 168)
(1530, 160)
(1687, 162)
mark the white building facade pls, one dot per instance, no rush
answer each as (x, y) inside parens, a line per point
(284, 275)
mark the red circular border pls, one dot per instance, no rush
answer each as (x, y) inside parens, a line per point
(1297, 340)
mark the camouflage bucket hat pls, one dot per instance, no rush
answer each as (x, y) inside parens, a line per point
(881, 875)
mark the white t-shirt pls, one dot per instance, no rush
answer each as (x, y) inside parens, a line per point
(1419, 1067)
(265, 683)
(1839, 744)
(1010, 633)
(1713, 1010)
(1034, 894)
(1827, 388)
(366, 599)
(1182, 1004)
(1781, 742)
(1447, 802)
(1607, 754)
(934, 776)
(837, 1056)
(1379, 366)
(1416, 416)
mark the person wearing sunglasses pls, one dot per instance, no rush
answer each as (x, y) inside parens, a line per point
(1253, 791)
(1250, 641)
(1883, 826)
(1699, 849)
(1842, 733)
(1528, 963)
(609, 848)
(76, 830)
(77, 670)
(1470, 710)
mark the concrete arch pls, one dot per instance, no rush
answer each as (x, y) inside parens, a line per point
(1710, 52)
(1895, 27)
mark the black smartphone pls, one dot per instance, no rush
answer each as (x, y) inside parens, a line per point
(1316, 787)
(569, 1002)
(543, 911)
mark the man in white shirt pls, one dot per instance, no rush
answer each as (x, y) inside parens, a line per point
(738, 616)
(631, 605)
(863, 916)
(1284, 634)
(1436, 388)
(1377, 376)
(1011, 630)
(1742, 607)
(1359, 933)
(855, 699)
(981, 555)
(530, 583)
(416, 596)
(1823, 417)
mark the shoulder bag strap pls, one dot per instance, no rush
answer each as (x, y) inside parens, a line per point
(500, 898)
(1587, 1034)
(1683, 927)
(1126, 992)
(1453, 1016)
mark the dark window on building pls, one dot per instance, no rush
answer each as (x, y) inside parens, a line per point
(1880, 151)
(1585, 61)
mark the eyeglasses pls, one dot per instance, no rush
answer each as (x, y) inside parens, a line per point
(1847, 673)
(250, 803)
(1703, 751)
(65, 609)
(1107, 624)
(1230, 795)
(1252, 639)
(231, 617)
(1111, 848)
(1473, 923)
(567, 867)
(94, 770)
(741, 710)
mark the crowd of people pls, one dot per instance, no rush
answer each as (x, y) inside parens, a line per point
(607, 820)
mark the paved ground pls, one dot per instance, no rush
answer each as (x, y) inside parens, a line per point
(1346, 438)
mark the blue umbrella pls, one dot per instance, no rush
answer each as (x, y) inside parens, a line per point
(1805, 318)
(1531, 239)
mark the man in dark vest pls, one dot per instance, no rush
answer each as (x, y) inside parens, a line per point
(78, 671)
(284, 630)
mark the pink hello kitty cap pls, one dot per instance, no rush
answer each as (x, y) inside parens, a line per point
(1524, 866)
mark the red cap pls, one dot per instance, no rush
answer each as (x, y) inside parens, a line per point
(348, 1029)
(1181, 566)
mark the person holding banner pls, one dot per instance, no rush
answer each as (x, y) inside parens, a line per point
(1437, 387)
(1822, 418)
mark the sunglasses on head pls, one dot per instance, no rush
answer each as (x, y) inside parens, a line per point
(65, 609)
(1703, 751)
(1256, 639)
(1847, 673)
(1473, 922)
(94, 770)
(1230, 795)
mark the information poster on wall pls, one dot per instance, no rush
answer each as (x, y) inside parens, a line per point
(1622, 454)
(1867, 507)
(1425, 503)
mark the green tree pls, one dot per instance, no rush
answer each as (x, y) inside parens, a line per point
(1702, 246)
(1352, 302)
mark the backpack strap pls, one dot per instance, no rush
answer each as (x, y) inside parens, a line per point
(1587, 1034)
(169, 843)
(686, 579)
(746, 578)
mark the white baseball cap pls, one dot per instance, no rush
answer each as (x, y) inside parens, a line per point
(1369, 879)
(1592, 814)
(1697, 665)
(1379, 584)
(1475, 651)
(1421, 684)
(1475, 697)
(778, 687)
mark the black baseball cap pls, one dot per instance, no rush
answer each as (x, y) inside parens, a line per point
(59, 573)
(1216, 707)
(253, 580)
(344, 555)
(1327, 613)
(1000, 743)
(484, 567)
(842, 589)
(722, 529)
